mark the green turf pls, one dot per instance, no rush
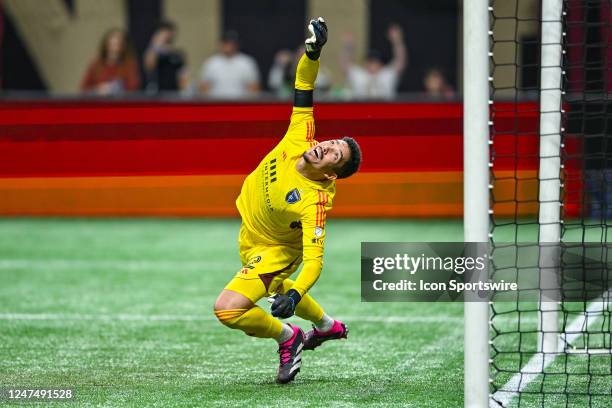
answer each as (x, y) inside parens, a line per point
(120, 310)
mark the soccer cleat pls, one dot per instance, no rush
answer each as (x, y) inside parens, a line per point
(315, 338)
(290, 356)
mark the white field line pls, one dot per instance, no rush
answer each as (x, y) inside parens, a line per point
(540, 361)
(132, 264)
(205, 318)
(148, 264)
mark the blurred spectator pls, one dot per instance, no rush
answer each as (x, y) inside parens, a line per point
(163, 62)
(279, 78)
(436, 85)
(282, 74)
(229, 73)
(374, 79)
(115, 69)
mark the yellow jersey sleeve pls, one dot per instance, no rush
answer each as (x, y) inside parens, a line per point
(313, 240)
(302, 127)
(301, 130)
(306, 74)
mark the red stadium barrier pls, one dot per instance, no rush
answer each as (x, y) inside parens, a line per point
(152, 158)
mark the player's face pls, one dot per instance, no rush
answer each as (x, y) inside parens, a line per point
(328, 155)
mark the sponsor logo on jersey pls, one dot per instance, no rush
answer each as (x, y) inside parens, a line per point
(252, 261)
(293, 196)
(318, 232)
(255, 259)
(272, 170)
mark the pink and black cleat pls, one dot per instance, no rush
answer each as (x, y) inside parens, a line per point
(315, 338)
(290, 356)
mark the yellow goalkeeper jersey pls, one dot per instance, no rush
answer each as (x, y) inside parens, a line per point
(278, 205)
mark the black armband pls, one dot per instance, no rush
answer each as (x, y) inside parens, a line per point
(302, 99)
(294, 295)
(313, 55)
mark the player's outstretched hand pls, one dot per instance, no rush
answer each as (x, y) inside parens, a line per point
(314, 43)
(283, 307)
(284, 304)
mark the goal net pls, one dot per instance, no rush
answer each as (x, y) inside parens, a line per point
(551, 202)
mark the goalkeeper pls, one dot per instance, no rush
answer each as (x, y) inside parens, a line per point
(283, 205)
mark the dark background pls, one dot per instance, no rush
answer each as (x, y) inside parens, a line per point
(430, 31)
(266, 26)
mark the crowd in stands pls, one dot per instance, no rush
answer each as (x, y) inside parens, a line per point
(232, 74)
(114, 69)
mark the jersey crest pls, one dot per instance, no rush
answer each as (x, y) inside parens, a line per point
(293, 196)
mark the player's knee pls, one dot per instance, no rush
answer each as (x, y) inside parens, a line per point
(230, 317)
(222, 312)
(232, 300)
(225, 313)
(220, 304)
(230, 307)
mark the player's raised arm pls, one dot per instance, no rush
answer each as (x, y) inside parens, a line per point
(305, 76)
(309, 63)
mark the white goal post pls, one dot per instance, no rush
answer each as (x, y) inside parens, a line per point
(476, 190)
(549, 212)
(476, 181)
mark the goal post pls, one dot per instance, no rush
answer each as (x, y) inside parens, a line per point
(549, 211)
(476, 191)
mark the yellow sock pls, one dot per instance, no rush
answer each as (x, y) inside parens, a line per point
(308, 308)
(254, 321)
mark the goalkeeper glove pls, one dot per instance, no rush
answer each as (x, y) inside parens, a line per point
(284, 304)
(314, 44)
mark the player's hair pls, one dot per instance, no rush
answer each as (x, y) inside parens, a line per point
(352, 165)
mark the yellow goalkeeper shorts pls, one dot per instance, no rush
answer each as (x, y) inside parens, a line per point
(264, 267)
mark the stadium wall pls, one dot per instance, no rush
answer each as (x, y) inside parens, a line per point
(186, 159)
